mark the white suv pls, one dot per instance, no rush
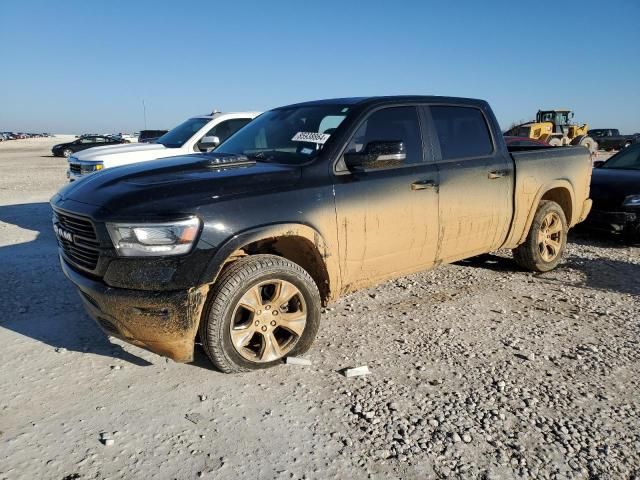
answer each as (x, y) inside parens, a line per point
(195, 135)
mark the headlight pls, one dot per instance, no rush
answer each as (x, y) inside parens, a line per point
(631, 201)
(91, 167)
(154, 239)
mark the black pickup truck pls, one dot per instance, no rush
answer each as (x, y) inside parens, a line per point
(306, 203)
(610, 138)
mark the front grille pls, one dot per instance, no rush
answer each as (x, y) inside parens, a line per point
(82, 249)
(75, 168)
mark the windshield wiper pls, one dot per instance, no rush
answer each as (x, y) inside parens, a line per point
(259, 156)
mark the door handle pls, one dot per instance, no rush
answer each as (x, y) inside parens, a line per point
(423, 184)
(497, 174)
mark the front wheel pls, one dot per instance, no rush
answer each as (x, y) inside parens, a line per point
(67, 152)
(590, 143)
(546, 241)
(262, 309)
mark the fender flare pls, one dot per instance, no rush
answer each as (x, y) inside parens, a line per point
(539, 194)
(265, 232)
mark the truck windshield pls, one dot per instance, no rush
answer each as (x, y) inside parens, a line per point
(177, 136)
(290, 135)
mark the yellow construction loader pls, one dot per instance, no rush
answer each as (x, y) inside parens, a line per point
(555, 128)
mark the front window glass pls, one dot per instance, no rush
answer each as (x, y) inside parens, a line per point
(627, 159)
(396, 124)
(547, 117)
(290, 135)
(178, 136)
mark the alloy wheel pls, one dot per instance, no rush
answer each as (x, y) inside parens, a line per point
(550, 237)
(268, 321)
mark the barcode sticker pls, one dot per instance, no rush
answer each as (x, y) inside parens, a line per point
(311, 137)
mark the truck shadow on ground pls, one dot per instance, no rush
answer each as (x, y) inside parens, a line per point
(605, 274)
(37, 301)
(490, 261)
(596, 238)
(599, 273)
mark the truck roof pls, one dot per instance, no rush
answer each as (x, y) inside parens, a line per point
(388, 99)
(218, 114)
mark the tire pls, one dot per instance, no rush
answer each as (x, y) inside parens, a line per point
(555, 142)
(237, 329)
(627, 145)
(590, 143)
(535, 253)
(67, 152)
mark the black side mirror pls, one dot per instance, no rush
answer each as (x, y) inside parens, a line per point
(598, 163)
(378, 154)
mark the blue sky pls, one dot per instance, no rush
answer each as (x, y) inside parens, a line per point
(86, 66)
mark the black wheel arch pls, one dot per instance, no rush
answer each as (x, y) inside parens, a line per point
(298, 243)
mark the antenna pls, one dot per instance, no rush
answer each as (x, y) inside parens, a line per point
(144, 112)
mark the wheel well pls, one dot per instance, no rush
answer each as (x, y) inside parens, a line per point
(563, 198)
(297, 249)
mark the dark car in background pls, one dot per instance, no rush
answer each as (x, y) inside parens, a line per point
(611, 139)
(148, 136)
(82, 143)
(615, 191)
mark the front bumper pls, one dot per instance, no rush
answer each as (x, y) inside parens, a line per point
(162, 322)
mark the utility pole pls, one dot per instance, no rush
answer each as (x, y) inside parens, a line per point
(144, 112)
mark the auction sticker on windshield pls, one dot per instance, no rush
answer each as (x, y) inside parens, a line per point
(311, 137)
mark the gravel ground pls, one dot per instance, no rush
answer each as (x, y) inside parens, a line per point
(478, 370)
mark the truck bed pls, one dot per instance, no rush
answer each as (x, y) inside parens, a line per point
(560, 171)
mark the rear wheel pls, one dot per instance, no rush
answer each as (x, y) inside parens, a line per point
(547, 239)
(262, 309)
(628, 144)
(555, 142)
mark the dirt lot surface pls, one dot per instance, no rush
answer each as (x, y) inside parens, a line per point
(478, 370)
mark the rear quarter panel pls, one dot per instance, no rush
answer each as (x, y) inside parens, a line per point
(540, 171)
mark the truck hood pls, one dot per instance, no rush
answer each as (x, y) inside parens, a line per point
(132, 151)
(609, 187)
(174, 185)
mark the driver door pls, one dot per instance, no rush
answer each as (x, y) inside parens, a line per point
(387, 217)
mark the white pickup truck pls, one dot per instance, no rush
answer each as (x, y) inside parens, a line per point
(195, 135)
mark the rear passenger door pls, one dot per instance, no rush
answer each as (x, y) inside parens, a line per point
(476, 181)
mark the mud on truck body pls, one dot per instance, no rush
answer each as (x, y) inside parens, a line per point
(243, 245)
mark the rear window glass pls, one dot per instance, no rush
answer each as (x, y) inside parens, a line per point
(462, 132)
